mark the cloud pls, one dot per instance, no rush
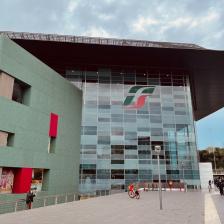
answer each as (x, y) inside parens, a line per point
(200, 22)
(142, 23)
(97, 32)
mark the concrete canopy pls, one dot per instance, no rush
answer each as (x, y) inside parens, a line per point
(205, 67)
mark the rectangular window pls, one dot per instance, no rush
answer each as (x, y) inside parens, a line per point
(130, 147)
(117, 174)
(103, 174)
(51, 145)
(117, 161)
(155, 119)
(144, 154)
(21, 92)
(143, 140)
(117, 149)
(104, 140)
(37, 179)
(6, 85)
(6, 139)
(90, 130)
(7, 179)
(117, 131)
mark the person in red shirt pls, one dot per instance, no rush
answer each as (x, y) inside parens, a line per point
(131, 187)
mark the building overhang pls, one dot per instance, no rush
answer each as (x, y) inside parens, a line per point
(205, 67)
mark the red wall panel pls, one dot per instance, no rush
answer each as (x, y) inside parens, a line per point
(22, 180)
(53, 129)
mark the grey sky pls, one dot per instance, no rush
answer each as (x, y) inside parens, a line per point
(192, 21)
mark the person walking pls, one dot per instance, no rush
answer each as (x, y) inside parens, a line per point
(209, 185)
(220, 185)
(170, 183)
(29, 199)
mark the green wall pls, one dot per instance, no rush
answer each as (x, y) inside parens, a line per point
(49, 92)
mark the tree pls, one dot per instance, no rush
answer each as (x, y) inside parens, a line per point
(210, 154)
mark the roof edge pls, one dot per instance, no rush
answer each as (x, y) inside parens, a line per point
(98, 40)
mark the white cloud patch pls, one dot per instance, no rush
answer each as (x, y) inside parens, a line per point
(72, 5)
(97, 32)
(142, 23)
(105, 17)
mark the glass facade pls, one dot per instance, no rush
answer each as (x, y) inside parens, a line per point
(127, 113)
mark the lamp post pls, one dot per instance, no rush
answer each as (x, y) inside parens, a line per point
(157, 151)
(182, 166)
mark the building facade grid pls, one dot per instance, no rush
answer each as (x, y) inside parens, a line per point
(117, 140)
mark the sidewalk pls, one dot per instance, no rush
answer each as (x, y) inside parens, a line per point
(178, 207)
(219, 205)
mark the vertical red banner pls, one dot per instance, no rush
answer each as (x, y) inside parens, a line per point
(22, 180)
(53, 129)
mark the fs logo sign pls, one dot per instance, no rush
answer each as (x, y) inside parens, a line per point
(137, 96)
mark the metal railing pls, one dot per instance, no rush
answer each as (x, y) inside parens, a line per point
(42, 201)
(98, 40)
(218, 172)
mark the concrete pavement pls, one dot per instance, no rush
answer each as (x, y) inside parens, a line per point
(178, 207)
(219, 205)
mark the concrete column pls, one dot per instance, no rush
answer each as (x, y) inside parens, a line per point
(3, 138)
(6, 85)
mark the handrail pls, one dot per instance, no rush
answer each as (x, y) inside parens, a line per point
(218, 171)
(42, 201)
(10, 202)
(41, 197)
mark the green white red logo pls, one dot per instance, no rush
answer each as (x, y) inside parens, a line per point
(137, 96)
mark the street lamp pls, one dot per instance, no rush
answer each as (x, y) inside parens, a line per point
(182, 166)
(157, 151)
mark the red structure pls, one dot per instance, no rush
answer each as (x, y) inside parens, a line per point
(22, 180)
(53, 129)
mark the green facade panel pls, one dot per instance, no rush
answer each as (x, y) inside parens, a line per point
(48, 93)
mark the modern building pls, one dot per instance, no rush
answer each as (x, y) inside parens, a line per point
(40, 118)
(206, 174)
(136, 95)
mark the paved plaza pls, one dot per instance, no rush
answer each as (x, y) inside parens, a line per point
(178, 207)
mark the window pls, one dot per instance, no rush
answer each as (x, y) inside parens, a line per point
(6, 139)
(52, 145)
(7, 177)
(37, 179)
(117, 174)
(144, 154)
(6, 85)
(103, 174)
(143, 140)
(21, 92)
(90, 130)
(155, 119)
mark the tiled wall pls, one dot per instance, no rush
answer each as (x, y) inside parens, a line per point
(118, 140)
